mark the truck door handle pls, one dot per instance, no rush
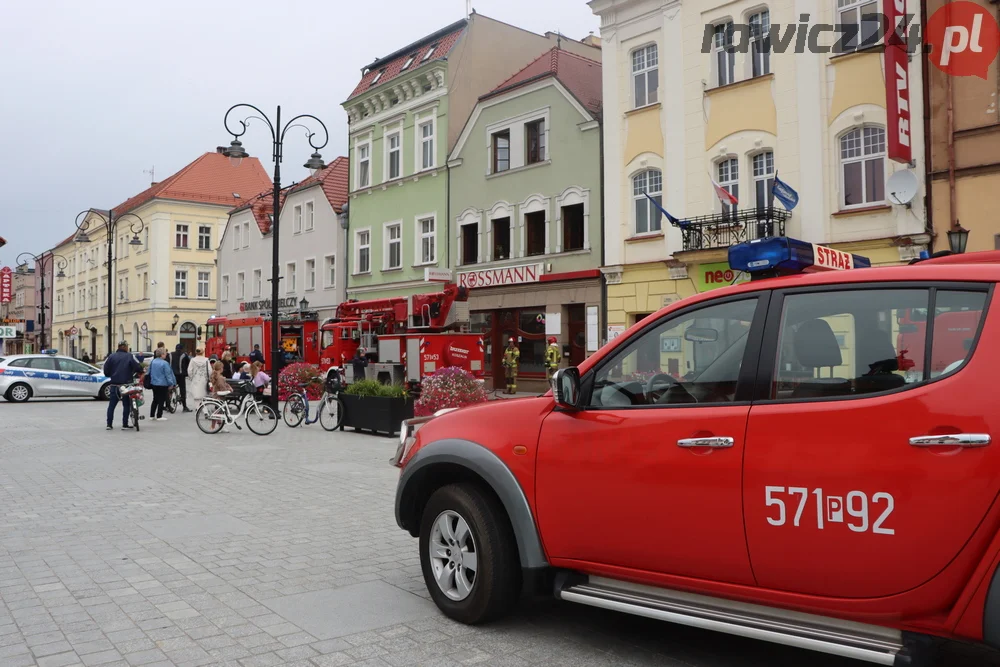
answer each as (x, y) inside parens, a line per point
(716, 442)
(954, 440)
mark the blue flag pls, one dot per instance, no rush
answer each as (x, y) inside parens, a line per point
(671, 219)
(784, 193)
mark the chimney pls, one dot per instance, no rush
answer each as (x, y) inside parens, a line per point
(221, 150)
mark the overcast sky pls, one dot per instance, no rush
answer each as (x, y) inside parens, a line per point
(94, 93)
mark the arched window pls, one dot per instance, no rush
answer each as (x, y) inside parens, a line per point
(862, 160)
(729, 178)
(135, 336)
(121, 334)
(763, 178)
(647, 216)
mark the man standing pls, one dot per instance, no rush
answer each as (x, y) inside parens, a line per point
(257, 355)
(358, 364)
(511, 360)
(120, 368)
(551, 358)
(179, 361)
(162, 379)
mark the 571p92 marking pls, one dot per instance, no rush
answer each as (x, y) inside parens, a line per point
(830, 509)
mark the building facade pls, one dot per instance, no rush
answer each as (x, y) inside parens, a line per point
(526, 206)
(311, 241)
(163, 270)
(405, 116)
(695, 92)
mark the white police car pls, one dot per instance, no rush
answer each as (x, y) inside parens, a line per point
(24, 376)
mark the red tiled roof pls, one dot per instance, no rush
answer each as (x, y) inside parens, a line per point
(392, 65)
(210, 179)
(581, 76)
(334, 180)
(262, 209)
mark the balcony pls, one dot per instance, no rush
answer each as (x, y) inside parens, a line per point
(722, 230)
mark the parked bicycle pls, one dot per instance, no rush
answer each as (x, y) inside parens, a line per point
(214, 413)
(174, 398)
(133, 391)
(330, 413)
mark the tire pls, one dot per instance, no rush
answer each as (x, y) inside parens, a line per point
(263, 420)
(331, 413)
(203, 417)
(105, 393)
(294, 411)
(135, 418)
(171, 405)
(496, 582)
(18, 393)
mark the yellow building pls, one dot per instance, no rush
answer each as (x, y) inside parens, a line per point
(163, 261)
(698, 91)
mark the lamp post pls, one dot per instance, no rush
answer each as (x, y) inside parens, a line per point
(235, 153)
(40, 259)
(958, 239)
(110, 224)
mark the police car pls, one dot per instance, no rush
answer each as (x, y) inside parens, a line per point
(24, 376)
(804, 458)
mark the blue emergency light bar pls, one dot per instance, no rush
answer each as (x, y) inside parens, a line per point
(779, 255)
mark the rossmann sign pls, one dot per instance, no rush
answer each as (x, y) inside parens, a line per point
(510, 275)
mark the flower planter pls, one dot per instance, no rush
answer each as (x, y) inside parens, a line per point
(376, 413)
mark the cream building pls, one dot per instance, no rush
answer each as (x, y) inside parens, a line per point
(164, 276)
(676, 116)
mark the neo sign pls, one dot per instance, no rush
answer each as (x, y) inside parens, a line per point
(8, 331)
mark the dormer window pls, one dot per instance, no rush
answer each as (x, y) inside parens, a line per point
(378, 76)
(429, 54)
(409, 61)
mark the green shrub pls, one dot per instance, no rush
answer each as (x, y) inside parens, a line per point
(374, 388)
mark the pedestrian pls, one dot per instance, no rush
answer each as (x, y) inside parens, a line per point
(218, 382)
(163, 347)
(86, 358)
(179, 362)
(511, 360)
(358, 364)
(227, 364)
(257, 355)
(551, 358)
(199, 372)
(261, 380)
(162, 378)
(120, 368)
(244, 372)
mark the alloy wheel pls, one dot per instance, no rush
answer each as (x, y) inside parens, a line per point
(453, 555)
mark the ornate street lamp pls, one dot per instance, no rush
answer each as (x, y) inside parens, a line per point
(958, 239)
(236, 153)
(22, 265)
(303, 305)
(84, 221)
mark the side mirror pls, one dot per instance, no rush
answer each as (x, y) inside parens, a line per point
(701, 335)
(566, 388)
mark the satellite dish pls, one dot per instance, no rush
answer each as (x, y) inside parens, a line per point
(902, 187)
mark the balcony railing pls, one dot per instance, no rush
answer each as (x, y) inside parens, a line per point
(722, 230)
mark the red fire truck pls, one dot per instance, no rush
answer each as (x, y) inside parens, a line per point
(299, 335)
(405, 338)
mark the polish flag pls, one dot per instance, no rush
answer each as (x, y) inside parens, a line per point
(724, 195)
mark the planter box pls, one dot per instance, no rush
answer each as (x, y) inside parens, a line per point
(376, 413)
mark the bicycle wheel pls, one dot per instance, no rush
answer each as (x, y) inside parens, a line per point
(172, 402)
(211, 417)
(262, 419)
(294, 411)
(331, 413)
(135, 417)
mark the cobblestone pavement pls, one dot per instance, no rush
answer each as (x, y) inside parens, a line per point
(174, 547)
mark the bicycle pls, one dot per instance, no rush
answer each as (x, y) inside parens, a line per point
(215, 413)
(173, 399)
(133, 391)
(330, 413)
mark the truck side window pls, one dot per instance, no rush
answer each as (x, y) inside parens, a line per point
(686, 359)
(956, 323)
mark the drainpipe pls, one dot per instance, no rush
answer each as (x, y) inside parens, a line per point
(447, 208)
(604, 282)
(928, 150)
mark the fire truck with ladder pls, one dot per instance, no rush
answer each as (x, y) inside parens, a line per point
(299, 335)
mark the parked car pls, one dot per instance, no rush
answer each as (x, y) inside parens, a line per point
(24, 376)
(762, 459)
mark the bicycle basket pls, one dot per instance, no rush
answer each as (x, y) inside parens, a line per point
(332, 383)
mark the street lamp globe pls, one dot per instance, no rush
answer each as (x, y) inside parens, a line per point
(235, 152)
(958, 239)
(61, 274)
(314, 163)
(303, 305)
(135, 240)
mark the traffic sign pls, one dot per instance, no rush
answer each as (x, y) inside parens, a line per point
(73, 331)
(8, 331)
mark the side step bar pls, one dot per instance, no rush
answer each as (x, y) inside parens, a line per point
(883, 646)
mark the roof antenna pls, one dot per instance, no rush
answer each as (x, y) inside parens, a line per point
(558, 39)
(152, 174)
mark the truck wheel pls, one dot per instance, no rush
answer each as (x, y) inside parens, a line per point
(468, 554)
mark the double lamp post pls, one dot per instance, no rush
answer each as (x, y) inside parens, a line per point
(40, 261)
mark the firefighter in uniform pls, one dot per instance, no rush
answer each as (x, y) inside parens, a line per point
(551, 358)
(511, 360)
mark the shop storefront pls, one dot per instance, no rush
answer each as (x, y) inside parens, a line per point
(525, 302)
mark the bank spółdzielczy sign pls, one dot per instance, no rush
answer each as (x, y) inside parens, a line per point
(265, 304)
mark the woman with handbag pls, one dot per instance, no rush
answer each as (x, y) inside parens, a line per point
(198, 375)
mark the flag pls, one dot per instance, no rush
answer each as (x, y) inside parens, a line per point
(784, 193)
(671, 219)
(727, 198)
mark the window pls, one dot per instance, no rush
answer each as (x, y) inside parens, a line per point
(364, 164)
(430, 53)
(310, 216)
(760, 45)
(645, 76)
(534, 133)
(236, 237)
(256, 285)
(763, 178)
(204, 237)
(364, 251)
(647, 216)
(501, 151)
(225, 288)
(688, 359)
(104, 293)
(862, 155)
(377, 76)
(290, 282)
(331, 271)
(428, 253)
(409, 61)
(73, 366)
(393, 156)
(572, 223)
(427, 145)
(393, 247)
(535, 233)
(145, 285)
(180, 284)
(725, 54)
(859, 24)
(42, 363)
(729, 179)
(241, 286)
(246, 234)
(501, 238)
(297, 219)
(203, 280)
(310, 274)
(180, 237)
(470, 244)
